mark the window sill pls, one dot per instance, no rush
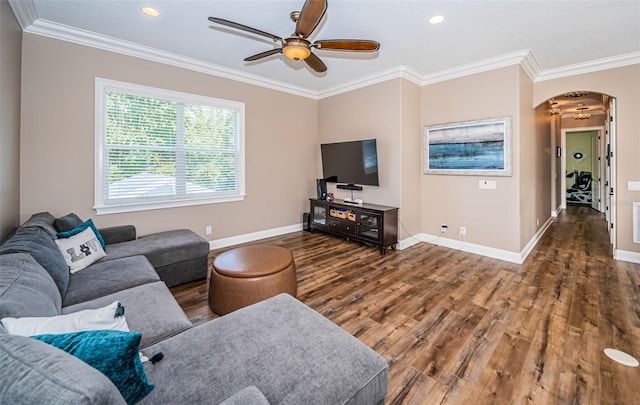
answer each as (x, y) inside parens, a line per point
(121, 208)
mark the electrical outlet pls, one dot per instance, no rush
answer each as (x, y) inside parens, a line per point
(463, 230)
(443, 228)
(207, 230)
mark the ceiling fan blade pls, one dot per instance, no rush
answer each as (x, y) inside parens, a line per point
(347, 45)
(263, 54)
(310, 16)
(315, 63)
(244, 28)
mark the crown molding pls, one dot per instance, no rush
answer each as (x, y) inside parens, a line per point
(403, 72)
(627, 59)
(25, 12)
(88, 38)
(27, 16)
(485, 65)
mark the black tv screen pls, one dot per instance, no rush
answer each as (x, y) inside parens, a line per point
(354, 162)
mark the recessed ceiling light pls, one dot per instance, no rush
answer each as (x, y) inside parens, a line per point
(151, 12)
(436, 19)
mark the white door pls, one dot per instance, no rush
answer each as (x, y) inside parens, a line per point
(595, 170)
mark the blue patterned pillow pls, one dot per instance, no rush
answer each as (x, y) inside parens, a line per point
(114, 353)
(88, 223)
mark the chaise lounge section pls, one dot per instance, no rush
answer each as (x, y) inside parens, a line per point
(278, 351)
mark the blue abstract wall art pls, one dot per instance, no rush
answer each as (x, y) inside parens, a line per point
(481, 147)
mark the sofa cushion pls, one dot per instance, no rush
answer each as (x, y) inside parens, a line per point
(150, 309)
(292, 354)
(162, 248)
(114, 353)
(67, 223)
(107, 277)
(250, 395)
(44, 221)
(26, 289)
(38, 243)
(80, 250)
(87, 224)
(34, 372)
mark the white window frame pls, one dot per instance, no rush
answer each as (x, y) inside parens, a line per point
(102, 87)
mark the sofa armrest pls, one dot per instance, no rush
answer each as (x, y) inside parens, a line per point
(117, 234)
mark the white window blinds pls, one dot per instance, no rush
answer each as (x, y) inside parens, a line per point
(158, 148)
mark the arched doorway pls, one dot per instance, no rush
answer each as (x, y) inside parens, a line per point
(583, 135)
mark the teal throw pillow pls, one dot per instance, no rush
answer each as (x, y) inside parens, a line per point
(114, 353)
(88, 223)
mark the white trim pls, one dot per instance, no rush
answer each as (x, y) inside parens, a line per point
(613, 62)
(91, 39)
(26, 14)
(535, 239)
(116, 209)
(499, 254)
(250, 237)
(636, 222)
(556, 212)
(626, 256)
(487, 251)
(485, 65)
(407, 243)
(404, 72)
(102, 86)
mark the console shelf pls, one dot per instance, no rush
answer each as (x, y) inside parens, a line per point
(371, 224)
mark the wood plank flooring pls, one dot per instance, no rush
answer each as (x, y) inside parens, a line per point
(458, 328)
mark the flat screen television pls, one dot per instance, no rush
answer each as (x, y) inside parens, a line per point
(353, 163)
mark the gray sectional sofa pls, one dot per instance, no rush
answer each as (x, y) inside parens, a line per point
(278, 351)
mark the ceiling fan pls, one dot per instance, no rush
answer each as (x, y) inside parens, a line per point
(297, 46)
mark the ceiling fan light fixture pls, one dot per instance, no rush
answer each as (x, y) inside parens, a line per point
(296, 49)
(151, 12)
(436, 19)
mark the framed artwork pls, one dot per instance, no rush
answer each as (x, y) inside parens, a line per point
(476, 148)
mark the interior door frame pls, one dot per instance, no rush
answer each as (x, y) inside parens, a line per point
(563, 161)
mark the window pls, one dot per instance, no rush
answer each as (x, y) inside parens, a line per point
(157, 148)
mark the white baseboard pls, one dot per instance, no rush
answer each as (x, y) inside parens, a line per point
(487, 251)
(534, 241)
(499, 254)
(250, 237)
(410, 241)
(556, 212)
(626, 256)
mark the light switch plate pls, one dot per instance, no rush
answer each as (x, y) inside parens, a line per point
(633, 185)
(487, 184)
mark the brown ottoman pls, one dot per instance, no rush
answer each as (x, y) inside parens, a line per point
(246, 275)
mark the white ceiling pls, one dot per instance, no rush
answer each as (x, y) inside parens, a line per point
(559, 33)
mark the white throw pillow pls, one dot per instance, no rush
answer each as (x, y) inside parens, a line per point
(80, 250)
(88, 319)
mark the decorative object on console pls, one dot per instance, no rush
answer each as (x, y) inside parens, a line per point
(480, 147)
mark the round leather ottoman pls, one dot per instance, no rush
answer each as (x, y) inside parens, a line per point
(246, 275)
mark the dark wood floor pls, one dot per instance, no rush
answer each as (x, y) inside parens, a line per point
(460, 328)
